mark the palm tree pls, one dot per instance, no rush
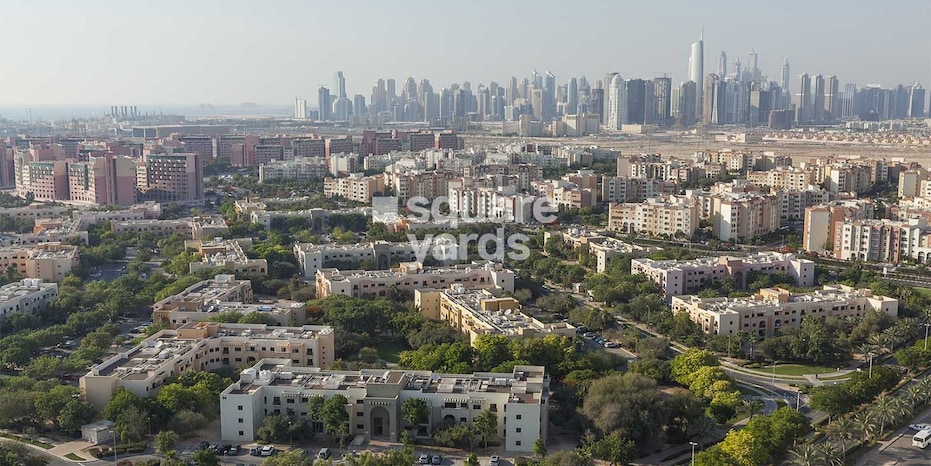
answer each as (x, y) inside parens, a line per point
(878, 340)
(888, 409)
(866, 348)
(907, 327)
(890, 337)
(752, 406)
(865, 425)
(806, 454)
(842, 430)
(916, 394)
(701, 426)
(829, 452)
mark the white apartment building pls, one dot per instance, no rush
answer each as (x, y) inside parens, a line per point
(203, 346)
(820, 222)
(355, 187)
(29, 295)
(277, 387)
(882, 240)
(773, 309)
(410, 276)
(743, 216)
(313, 257)
(671, 216)
(229, 254)
(792, 204)
(677, 278)
(481, 312)
(299, 169)
(783, 178)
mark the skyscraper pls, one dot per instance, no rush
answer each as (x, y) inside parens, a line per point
(697, 67)
(819, 100)
(662, 91)
(616, 103)
(636, 101)
(803, 100)
(323, 104)
(784, 84)
(300, 108)
(572, 97)
(339, 83)
(831, 98)
(688, 95)
(848, 104)
(753, 65)
(916, 101)
(391, 94)
(714, 102)
(549, 96)
(358, 104)
(722, 64)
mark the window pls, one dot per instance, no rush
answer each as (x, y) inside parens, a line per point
(360, 426)
(360, 414)
(290, 401)
(518, 430)
(240, 420)
(476, 406)
(239, 408)
(517, 417)
(517, 442)
(241, 433)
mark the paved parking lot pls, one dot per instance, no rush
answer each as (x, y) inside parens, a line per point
(898, 450)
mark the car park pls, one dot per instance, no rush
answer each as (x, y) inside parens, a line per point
(919, 427)
(254, 451)
(267, 450)
(611, 344)
(233, 450)
(203, 445)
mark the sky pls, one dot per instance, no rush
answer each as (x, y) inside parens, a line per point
(189, 52)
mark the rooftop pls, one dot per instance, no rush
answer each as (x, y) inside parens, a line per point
(766, 257)
(510, 322)
(406, 268)
(774, 298)
(22, 288)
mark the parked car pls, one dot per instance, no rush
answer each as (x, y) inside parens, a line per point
(611, 344)
(267, 450)
(203, 445)
(225, 449)
(424, 458)
(255, 451)
(919, 427)
(495, 461)
(323, 453)
(437, 459)
(233, 450)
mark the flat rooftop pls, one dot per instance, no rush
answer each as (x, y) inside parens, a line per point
(712, 261)
(23, 288)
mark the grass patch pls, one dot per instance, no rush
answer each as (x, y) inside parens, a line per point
(73, 457)
(390, 352)
(30, 441)
(799, 369)
(923, 291)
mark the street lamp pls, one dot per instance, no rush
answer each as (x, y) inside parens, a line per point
(693, 444)
(113, 434)
(774, 374)
(870, 354)
(291, 433)
(927, 324)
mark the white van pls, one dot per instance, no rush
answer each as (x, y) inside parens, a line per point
(921, 439)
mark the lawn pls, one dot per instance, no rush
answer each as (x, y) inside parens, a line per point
(390, 352)
(797, 369)
(73, 457)
(28, 440)
(923, 291)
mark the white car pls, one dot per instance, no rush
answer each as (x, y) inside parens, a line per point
(919, 427)
(494, 461)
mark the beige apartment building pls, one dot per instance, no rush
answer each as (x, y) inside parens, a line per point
(229, 254)
(411, 276)
(46, 261)
(355, 187)
(199, 296)
(203, 346)
(670, 216)
(773, 309)
(29, 295)
(481, 312)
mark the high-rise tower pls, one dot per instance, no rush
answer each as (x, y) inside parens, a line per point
(697, 67)
(916, 101)
(722, 64)
(784, 84)
(803, 100)
(339, 83)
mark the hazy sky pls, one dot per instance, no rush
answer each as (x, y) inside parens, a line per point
(231, 51)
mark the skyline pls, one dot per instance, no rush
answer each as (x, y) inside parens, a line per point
(225, 53)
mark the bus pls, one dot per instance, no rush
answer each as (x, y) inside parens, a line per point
(921, 439)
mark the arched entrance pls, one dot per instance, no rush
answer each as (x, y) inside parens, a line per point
(381, 422)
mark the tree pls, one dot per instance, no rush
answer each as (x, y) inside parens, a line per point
(335, 417)
(17, 454)
(745, 447)
(566, 458)
(539, 447)
(293, 457)
(131, 424)
(205, 457)
(865, 425)
(74, 415)
(842, 430)
(415, 412)
(752, 407)
(628, 402)
(486, 425)
(165, 441)
(806, 454)
(686, 364)
(613, 448)
(887, 409)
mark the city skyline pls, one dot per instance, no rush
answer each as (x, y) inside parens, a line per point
(205, 56)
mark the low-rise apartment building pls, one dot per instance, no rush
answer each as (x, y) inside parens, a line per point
(774, 309)
(203, 346)
(382, 254)
(878, 240)
(29, 295)
(355, 187)
(46, 261)
(411, 276)
(199, 296)
(689, 276)
(300, 169)
(278, 387)
(481, 312)
(228, 254)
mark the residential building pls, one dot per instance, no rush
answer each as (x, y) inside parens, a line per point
(774, 309)
(381, 255)
(103, 180)
(46, 261)
(782, 178)
(627, 189)
(29, 295)
(658, 216)
(478, 312)
(882, 240)
(200, 296)
(820, 221)
(203, 346)
(743, 216)
(410, 276)
(300, 169)
(356, 187)
(171, 178)
(676, 277)
(792, 203)
(227, 254)
(276, 386)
